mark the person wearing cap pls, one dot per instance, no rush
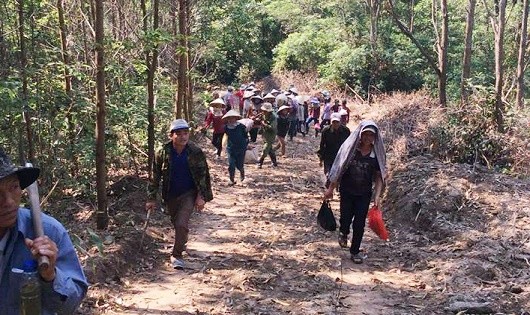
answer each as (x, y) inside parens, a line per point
(63, 283)
(269, 126)
(214, 118)
(236, 147)
(283, 127)
(333, 136)
(314, 114)
(359, 170)
(181, 175)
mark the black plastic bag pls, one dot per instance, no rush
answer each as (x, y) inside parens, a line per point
(325, 217)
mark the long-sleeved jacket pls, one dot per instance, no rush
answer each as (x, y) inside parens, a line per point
(162, 170)
(330, 143)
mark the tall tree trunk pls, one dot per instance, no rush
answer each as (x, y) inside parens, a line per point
(466, 64)
(101, 169)
(499, 24)
(24, 79)
(189, 86)
(521, 57)
(174, 66)
(374, 9)
(182, 74)
(443, 43)
(67, 88)
(151, 61)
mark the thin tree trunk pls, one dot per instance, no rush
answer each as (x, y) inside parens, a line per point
(189, 85)
(182, 74)
(499, 26)
(466, 64)
(521, 57)
(442, 54)
(67, 88)
(24, 79)
(101, 169)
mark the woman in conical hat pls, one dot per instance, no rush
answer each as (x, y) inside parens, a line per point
(214, 119)
(236, 147)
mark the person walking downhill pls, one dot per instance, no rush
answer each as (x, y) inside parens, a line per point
(333, 136)
(283, 127)
(214, 118)
(181, 169)
(63, 283)
(360, 162)
(236, 147)
(345, 107)
(269, 126)
(293, 116)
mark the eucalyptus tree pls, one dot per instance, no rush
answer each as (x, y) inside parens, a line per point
(101, 167)
(439, 67)
(521, 56)
(466, 63)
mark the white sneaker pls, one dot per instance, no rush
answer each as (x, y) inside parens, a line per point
(177, 263)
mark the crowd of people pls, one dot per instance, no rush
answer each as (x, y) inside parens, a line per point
(353, 162)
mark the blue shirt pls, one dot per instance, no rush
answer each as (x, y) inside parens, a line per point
(181, 180)
(64, 294)
(237, 139)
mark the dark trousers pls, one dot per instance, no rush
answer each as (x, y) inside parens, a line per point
(217, 141)
(293, 126)
(180, 209)
(354, 208)
(253, 134)
(236, 160)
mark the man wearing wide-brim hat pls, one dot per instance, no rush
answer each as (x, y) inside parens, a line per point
(269, 127)
(283, 127)
(63, 283)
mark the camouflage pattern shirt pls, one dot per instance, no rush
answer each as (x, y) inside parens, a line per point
(162, 170)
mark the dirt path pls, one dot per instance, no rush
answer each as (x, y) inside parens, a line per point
(256, 249)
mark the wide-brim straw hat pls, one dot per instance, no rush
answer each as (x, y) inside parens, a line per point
(275, 91)
(26, 175)
(232, 113)
(283, 107)
(266, 107)
(293, 90)
(248, 94)
(269, 97)
(217, 102)
(256, 97)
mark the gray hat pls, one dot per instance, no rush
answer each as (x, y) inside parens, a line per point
(178, 124)
(230, 88)
(267, 107)
(26, 175)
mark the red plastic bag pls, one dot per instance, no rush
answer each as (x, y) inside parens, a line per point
(375, 222)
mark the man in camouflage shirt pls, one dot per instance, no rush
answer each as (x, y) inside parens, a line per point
(182, 169)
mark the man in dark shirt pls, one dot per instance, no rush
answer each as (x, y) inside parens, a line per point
(182, 169)
(332, 138)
